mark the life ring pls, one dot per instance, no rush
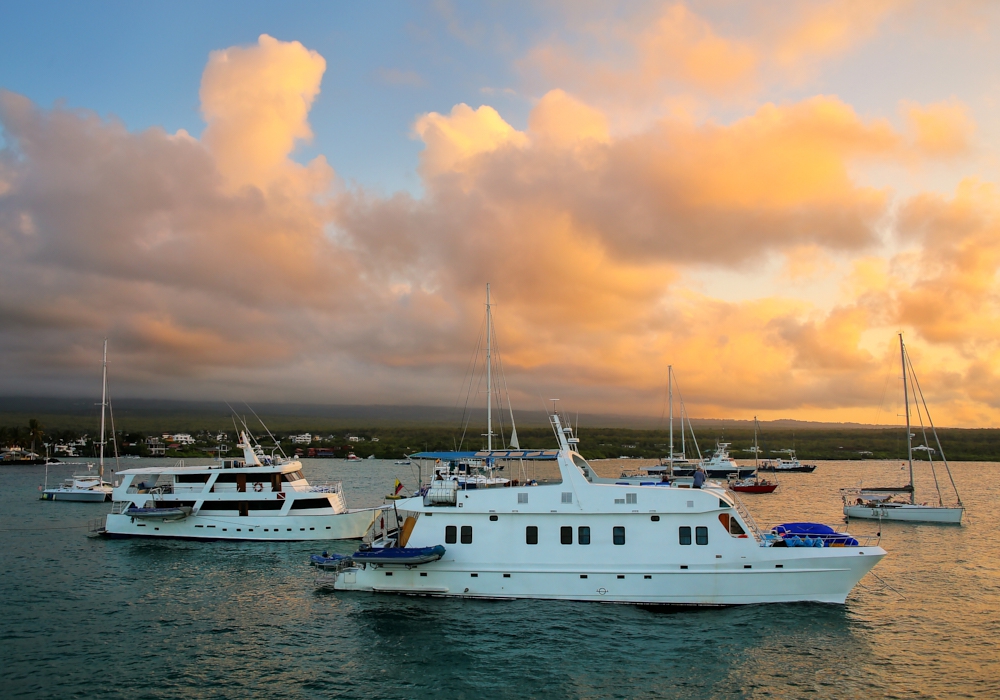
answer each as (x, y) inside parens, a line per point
(258, 487)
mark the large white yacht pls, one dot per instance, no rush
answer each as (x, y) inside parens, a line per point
(258, 497)
(582, 537)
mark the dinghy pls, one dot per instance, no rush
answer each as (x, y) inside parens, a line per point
(399, 555)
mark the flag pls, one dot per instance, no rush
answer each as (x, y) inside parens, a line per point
(399, 487)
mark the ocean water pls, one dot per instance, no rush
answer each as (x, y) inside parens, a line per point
(93, 618)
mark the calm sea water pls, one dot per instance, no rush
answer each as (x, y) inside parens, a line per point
(86, 617)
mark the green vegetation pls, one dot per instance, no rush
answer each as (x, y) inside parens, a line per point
(392, 442)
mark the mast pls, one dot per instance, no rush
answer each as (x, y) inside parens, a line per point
(906, 400)
(489, 376)
(670, 398)
(104, 405)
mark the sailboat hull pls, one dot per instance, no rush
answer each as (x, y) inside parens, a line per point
(81, 495)
(906, 512)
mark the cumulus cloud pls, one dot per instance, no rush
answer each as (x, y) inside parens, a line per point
(220, 265)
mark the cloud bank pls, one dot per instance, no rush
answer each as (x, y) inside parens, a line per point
(223, 267)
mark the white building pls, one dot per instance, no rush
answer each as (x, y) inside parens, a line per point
(303, 439)
(179, 438)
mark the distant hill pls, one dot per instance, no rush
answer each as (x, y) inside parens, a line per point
(165, 414)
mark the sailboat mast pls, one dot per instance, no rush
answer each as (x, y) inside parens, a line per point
(670, 399)
(104, 405)
(906, 400)
(489, 375)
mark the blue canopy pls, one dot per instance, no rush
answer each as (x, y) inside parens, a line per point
(488, 454)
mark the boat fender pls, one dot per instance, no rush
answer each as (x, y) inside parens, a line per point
(258, 487)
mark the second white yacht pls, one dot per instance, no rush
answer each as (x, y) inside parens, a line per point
(258, 497)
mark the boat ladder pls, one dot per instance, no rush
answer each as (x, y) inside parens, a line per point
(747, 517)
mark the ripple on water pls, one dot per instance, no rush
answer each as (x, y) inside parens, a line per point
(119, 619)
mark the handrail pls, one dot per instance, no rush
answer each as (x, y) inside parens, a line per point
(747, 517)
(326, 487)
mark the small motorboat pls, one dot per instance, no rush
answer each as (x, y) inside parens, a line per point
(752, 486)
(328, 561)
(399, 555)
(172, 513)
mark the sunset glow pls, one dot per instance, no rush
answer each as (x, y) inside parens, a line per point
(762, 199)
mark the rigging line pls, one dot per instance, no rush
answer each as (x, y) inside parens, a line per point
(472, 366)
(934, 430)
(503, 377)
(276, 443)
(923, 432)
(680, 397)
(888, 375)
(114, 440)
(499, 394)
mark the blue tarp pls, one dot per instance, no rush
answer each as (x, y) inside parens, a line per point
(486, 454)
(827, 534)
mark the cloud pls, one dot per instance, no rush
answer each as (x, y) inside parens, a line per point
(220, 265)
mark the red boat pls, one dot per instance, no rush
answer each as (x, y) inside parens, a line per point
(753, 486)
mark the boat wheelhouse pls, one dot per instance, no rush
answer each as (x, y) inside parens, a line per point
(254, 498)
(578, 536)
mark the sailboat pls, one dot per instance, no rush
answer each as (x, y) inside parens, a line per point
(89, 488)
(899, 502)
(754, 484)
(472, 469)
(676, 463)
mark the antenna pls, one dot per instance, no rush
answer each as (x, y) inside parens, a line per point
(276, 443)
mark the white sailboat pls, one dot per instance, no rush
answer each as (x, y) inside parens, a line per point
(899, 502)
(88, 488)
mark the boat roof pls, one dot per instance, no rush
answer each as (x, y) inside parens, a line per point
(488, 454)
(283, 468)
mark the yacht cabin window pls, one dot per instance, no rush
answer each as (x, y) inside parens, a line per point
(583, 534)
(531, 534)
(566, 535)
(701, 535)
(467, 534)
(685, 534)
(450, 534)
(618, 533)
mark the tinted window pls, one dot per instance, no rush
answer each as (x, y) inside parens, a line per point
(619, 534)
(701, 535)
(191, 478)
(300, 503)
(583, 535)
(450, 534)
(467, 534)
(531, 534)
(566, 535)
(735, 528)
(685, 535)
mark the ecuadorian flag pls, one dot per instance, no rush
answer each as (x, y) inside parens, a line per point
(399, 487)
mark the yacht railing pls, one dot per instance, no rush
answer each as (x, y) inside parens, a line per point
(747, 517)
(326, 487)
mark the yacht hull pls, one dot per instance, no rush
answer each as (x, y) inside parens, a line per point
(81, 496)
(825, 577)
(352, 524)
(905, 512)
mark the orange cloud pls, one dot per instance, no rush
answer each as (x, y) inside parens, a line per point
(256, 102)
(940, 129)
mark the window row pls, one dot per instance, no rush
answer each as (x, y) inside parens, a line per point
(451, 535)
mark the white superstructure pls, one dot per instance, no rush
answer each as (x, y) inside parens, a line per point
(254, 498)
(588, 538)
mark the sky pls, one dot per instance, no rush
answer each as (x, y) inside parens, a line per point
(305, 203)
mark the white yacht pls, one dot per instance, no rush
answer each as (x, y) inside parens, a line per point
(254, 498)
(721, 466)
(89, 487)
(582, 537)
